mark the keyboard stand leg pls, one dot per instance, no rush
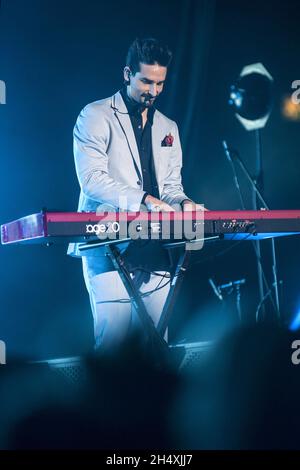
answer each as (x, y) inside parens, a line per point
(158, 345)
(182, 266)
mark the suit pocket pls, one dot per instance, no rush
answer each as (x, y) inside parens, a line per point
(165, 154)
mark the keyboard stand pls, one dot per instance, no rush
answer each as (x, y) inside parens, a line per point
(158, 347)
(155, 336)
(181, 268)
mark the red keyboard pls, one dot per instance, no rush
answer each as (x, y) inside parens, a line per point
(49, 227)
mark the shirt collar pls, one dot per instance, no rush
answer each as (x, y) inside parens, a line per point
(134, 108)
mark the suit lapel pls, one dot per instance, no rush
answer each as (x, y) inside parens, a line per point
(125, 122)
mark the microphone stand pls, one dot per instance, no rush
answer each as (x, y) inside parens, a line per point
(237, 286)
(257, 194)
(258, 180)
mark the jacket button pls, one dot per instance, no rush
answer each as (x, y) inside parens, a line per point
(139, 183)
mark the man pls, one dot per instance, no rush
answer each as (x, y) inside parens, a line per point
(128, 154)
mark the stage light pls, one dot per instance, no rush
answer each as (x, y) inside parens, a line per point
(295, 323)
(290, 109)
(251, 96)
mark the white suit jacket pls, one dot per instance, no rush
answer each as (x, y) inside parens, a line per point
(108, 164)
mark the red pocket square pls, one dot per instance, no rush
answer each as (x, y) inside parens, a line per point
(167, 141)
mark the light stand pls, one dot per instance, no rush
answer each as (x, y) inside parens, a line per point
(251, 98)
(258, 179)
(258, 196)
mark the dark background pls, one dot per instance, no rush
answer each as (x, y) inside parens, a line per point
(57, 56)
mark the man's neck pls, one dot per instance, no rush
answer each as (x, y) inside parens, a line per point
(144, 111)
(144, 117)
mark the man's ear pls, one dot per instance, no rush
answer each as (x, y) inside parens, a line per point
(127, 75)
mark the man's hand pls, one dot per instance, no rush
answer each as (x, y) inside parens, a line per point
(192, 206)
(157, 205)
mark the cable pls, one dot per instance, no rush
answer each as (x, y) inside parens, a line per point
(269, 289)
(235, 176)
(262, 302)
(155, 273)
(144, 294)
(269, 292)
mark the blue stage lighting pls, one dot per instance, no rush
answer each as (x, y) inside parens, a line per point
(295, 323)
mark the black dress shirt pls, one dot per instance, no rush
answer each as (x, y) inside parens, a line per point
(144, 142)
(143, 254)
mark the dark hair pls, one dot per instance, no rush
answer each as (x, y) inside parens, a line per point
(147, 51)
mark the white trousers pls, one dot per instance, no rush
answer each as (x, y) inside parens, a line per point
(114, 320)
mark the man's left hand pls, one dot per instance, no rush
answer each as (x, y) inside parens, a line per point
(193, 206)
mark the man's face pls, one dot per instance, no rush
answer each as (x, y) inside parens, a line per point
(147, 84)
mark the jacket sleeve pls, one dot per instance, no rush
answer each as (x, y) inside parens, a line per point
(91, 140)
(173, 192)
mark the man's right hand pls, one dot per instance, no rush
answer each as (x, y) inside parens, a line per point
(156, 205)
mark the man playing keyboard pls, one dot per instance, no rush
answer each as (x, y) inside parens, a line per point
(128, 157)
